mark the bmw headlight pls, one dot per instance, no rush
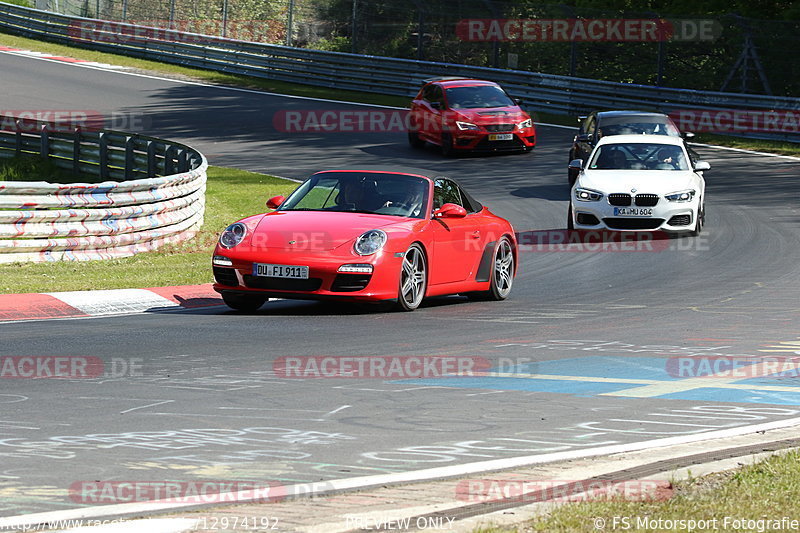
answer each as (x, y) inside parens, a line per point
(525, 124)
(587, 195)
(370, 242)
(233, 235)
(466, 126)
(681, 196)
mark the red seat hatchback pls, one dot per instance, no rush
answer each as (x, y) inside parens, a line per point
(461, 114)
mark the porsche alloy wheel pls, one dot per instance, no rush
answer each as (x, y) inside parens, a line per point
(502, 271)
(243, 302)
(413, 279)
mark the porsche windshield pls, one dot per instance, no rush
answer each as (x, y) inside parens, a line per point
(361, 192)
(639, 156)
(479, 96)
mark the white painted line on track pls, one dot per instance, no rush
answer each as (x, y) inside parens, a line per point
(114, 301)
(337, 485)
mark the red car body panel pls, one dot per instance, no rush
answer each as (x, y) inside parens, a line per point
(430, 123)
(324, 241)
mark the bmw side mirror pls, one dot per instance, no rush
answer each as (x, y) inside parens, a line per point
(576, 164)
(687, 135)
(702, 165)
(583, 138)
(275, 202)
(581, 118)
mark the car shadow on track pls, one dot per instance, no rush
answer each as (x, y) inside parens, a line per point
(334, 308)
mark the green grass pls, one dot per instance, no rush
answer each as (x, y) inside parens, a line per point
(231, 194)
(34, 168)
(766, 490)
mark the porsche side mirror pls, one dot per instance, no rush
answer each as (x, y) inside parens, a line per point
(275, 202)
(576, 164)
(436, 105)
(702, 165)
(687, 135)
(583, 138)
(450, 211)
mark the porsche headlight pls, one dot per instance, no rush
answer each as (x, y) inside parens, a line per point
(233, 235)
(370, 242)
(587, 195)
(681, 196)
(525, 124)
(466, 125)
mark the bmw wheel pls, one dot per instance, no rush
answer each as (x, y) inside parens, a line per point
(413, 279)
(700, 219)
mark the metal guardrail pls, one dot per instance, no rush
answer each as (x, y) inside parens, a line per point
(160, 198)
(556, 94)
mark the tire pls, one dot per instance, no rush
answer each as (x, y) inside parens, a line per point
(243, 302)
(414, 140)
(570, 223)
(447, 145)
(572, 177)
(502, 276)
(413, 279)
(701, 219)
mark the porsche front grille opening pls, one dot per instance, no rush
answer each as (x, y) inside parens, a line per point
(225, 276)
(350, 282)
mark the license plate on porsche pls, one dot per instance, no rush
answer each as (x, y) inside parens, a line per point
(280, 271)
(501, 136)
(632, 212)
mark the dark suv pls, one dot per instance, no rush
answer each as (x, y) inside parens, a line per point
(603, 123)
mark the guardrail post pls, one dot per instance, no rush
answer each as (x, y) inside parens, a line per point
(183, 161)
(76, 151)
(152, 164)
(129, 160)
(169, 162)
(18, 138)
(44, 142)
(103, 155)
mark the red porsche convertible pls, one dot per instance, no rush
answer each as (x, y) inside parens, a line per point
(370, 236)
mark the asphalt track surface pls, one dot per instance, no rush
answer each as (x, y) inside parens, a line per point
(206, 403)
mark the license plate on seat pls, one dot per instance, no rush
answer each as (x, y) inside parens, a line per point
(280, 271)
(501, 136)
(632, 212)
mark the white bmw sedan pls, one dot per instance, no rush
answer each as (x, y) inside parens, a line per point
(638, 183)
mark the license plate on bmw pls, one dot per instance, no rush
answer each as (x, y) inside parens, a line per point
(280, 271)
(632, 212)
(501, 136)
